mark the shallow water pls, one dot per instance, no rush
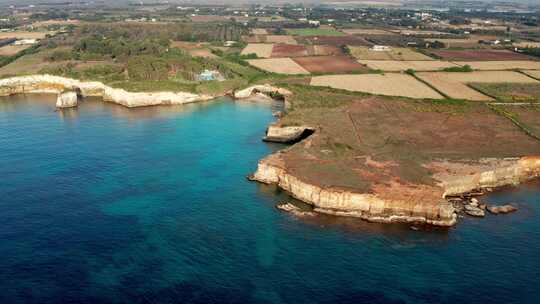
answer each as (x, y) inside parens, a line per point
(104, 204)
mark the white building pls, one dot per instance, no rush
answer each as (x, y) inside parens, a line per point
(25, 42)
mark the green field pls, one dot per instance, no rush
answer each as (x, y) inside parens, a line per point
(314, 32)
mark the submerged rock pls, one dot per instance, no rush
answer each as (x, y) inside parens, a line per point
(502, 209)
(288, 207)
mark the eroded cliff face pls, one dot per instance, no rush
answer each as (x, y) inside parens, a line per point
(289, 134)
(458, 179)
(59, 85)
(265, 89)
(343, 202)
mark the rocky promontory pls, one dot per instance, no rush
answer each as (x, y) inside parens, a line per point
(393, 160)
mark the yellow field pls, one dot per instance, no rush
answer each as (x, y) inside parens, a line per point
(261, 49)
(454, 85)
(281, 39)
(364, 53)
(535, 74)
(392, 84)
(25, 35)
(10, 50)
(396, 66)
(279, 65)
(502, 65)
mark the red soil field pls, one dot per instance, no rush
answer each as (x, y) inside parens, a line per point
(478, 55)
(329, 64)
(337, 40)
(288, 50)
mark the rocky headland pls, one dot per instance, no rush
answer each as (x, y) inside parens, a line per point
(386, 160)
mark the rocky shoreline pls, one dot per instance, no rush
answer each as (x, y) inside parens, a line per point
(69, 90)
(458, 187)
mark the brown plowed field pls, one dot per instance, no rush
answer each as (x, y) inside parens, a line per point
(330, 64)
(289, 50)
(478, 55)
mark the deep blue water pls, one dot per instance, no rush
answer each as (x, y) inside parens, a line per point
(104, 204)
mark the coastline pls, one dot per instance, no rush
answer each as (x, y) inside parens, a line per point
(454, 179)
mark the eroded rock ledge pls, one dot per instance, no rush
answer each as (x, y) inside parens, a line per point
(371, 207)
(61, 85)
(288, 134)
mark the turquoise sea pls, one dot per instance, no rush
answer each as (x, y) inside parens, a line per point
(104, 204)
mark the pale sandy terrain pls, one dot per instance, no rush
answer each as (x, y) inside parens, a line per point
(396, 65)
(454, 85)
(395, 53)
(366, 32)
(392, 84)
(535, 74)
(205, 53)
(25, 35)
(261, 49)
(287, 39)
(502, 65)
(279, 65)
(259, 31)
(10, 50)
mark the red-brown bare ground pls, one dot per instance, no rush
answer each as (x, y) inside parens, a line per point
(330, 64)
(478, 55)
(289, 50)
(375, 144)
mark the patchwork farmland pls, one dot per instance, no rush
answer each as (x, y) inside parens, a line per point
(398, 65)
(454, 85)
(279, 65)
(479, 55)
(330, 64)
(401, 85)
(394, 53)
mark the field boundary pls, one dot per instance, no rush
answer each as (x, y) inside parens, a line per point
(431, 86)
(513, 119)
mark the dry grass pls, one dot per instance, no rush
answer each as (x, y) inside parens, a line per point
(396, 66)
(502, 65)
(391, 84)
(29, 64)
(262, 50)
(279, 65)
(281, 39)
(10, 50)
(205, 53)
(25, 35)
(364, 53)
(454, 85)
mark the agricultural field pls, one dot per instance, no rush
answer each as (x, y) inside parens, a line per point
(259, 31)
(479, 55)
(334, 40)
(366, 31)
(502, 65)
(397, 66)
(10, 50)
(455, 85)
(395, 53)
(25, 35)
(525, 115)
(289, 50)
(330, 64)
(279, 66)
(29, 64)
(314, 32)
(280, 39)
(511, 92)
(262, 50)
(534, 74)
(401, 85)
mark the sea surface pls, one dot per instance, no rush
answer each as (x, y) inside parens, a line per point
(104, 204)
